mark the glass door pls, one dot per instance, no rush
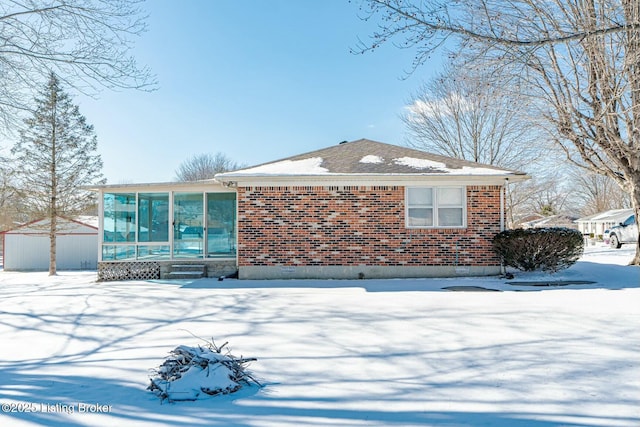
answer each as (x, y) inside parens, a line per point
(221, 225)
(188, 235)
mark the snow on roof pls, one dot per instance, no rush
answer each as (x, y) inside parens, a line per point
(468, 170)
(313, 166)
(412, 162)
(441, 167)
(614, 215)
(310, 166)
(64, 225)
(371, 158)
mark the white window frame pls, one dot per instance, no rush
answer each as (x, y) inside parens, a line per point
(436, 206)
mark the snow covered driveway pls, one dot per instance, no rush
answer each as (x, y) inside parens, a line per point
(342, 353)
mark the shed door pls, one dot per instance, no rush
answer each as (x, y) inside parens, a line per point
(26, 252)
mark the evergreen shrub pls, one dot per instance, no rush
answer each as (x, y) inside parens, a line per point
(546, 249)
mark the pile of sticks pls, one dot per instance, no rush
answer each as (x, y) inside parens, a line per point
(200, 362)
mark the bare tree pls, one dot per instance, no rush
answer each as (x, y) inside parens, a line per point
(7, 194)
(545, 195)
(598, 193)
(85, 42)
(459, 114)
(204, 166)
(517, 202)
(57, 154)
(579, 59)
(551, 197)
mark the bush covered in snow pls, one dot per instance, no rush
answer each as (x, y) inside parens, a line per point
(192, 373)
(546, 249)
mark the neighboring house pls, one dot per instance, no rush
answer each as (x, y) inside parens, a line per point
(522, 221)
(360, 209)
(596, 224)
(560, 220)
(26, 248)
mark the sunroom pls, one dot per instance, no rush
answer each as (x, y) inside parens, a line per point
(166, 230)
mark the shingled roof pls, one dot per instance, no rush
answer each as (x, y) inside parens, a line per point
(366, 157)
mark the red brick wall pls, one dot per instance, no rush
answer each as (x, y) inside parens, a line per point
(350, 226)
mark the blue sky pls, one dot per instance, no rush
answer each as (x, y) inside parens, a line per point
(256, 80)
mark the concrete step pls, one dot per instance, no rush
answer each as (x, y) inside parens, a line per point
(188, 271)
(186, 275)
(188, 265)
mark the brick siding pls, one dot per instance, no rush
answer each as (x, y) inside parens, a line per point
(352, 226)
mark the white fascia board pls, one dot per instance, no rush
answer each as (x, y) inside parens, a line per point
(367, 180)
(210, 186)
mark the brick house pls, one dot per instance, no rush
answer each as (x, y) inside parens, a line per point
(359, 209)
(368, 209)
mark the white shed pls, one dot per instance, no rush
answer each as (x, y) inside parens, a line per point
(26, 248)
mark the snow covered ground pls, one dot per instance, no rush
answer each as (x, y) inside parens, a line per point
(74, 352)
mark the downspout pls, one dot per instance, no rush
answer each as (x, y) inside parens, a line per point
(100, 224)
(502, 203)
(237, 226)
(503, 193)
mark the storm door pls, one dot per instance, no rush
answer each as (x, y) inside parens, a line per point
(188, 230)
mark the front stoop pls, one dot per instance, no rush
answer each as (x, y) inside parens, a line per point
(187, 271)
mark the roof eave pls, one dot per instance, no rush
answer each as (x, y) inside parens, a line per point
(158, 186)
(359, 179)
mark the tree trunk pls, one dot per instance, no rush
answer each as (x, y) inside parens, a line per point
(635, 202)
(632, 15)
(53, 207)
(52, 245)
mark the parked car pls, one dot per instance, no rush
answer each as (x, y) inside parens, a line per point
(625, 232)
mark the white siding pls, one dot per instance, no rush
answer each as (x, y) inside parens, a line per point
(31, 252)
(26, 252)
(27, 248)
(77, 252)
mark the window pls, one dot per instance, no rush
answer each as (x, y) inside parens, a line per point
(420, 207)
(118, 252)
(119, 217)
(153, 217)
(435, 206)
(450, 207)
(154, 252)
(630, 221)
(168, 225)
